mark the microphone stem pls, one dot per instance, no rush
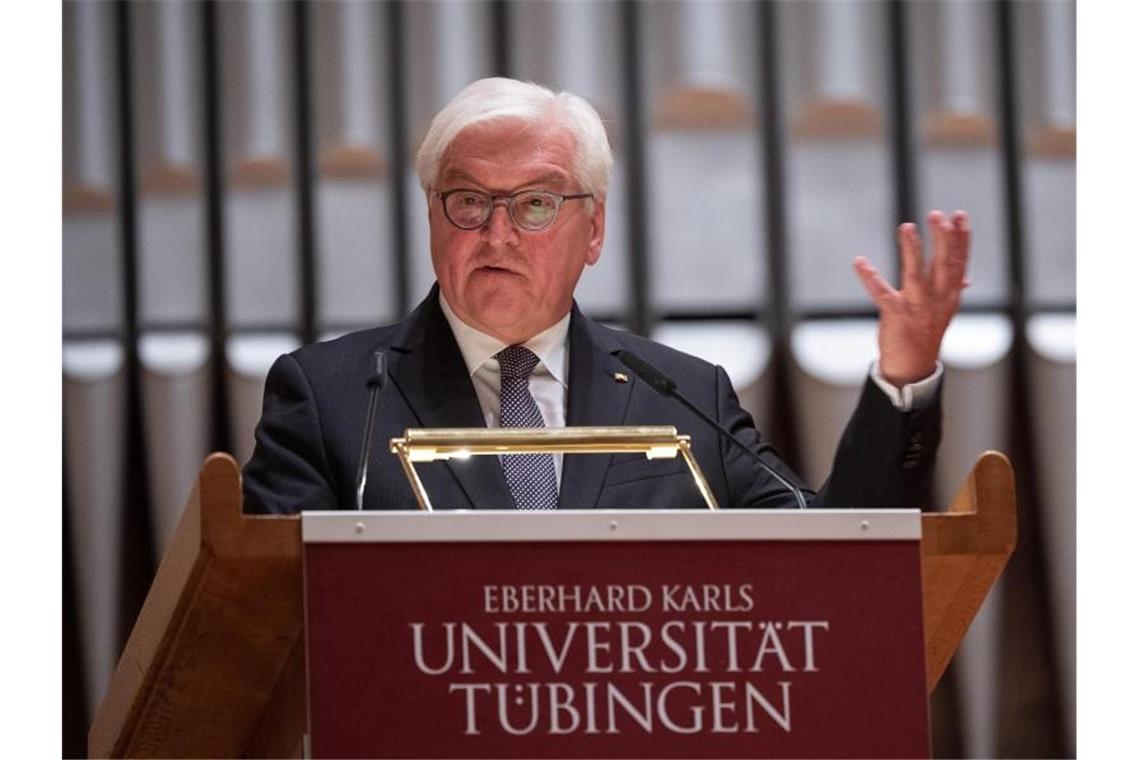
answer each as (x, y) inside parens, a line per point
(700, 413)
(366, 445)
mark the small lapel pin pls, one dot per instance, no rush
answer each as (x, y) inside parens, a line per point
(621, 377)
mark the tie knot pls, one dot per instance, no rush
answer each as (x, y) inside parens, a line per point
(516, 362)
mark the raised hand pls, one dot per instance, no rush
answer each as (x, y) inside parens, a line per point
(913, 319)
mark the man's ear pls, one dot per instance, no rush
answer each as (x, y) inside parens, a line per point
(597, 233)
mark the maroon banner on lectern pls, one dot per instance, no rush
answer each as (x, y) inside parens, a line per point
(632, 634)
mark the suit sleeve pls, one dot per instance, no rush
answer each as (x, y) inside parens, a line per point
(885, 457)
(289, 470)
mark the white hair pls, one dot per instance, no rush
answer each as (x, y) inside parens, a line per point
(498, 98)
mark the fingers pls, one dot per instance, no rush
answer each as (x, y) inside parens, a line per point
(951, 251)
(940, 229)
(910, 252)
(937, 280)
(960, 248)
(881, 292)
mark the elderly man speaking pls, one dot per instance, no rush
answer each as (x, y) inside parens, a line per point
(515, 178)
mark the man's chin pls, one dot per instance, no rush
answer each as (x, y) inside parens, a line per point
(512, 321)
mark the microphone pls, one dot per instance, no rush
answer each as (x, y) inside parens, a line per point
(666, 386)
(376, 381)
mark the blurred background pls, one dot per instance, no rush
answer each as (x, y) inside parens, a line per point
(237, 182)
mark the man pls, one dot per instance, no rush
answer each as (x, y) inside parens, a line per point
(515, 179)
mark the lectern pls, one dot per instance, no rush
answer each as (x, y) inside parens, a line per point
(570, 634)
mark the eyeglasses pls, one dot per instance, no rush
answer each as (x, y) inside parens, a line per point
(531, 210)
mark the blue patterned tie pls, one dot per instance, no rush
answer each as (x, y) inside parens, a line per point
(530, 476)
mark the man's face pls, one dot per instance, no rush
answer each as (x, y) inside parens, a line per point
(505, 281)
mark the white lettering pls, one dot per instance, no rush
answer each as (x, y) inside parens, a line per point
(771, 644)
(809, 640)
(594, 646)
(673, 644)
(696, 710)
(629, 650)
(470, 688)
(561, 706)
(520, 648)
(746, 594)
(719, 707)
(418, 649)
(731, 627)
(643, 718)
(699, 629)
(497, 659)
(557, 660)
(505, 709)
(783, 718)
(591, 707)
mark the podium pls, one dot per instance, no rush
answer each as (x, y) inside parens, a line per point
(633, 633)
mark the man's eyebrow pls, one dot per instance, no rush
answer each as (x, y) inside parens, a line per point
(461, 175)
(552, 178)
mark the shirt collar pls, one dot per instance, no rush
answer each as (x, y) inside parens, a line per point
(478, 348)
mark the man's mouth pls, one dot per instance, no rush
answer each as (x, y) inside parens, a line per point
(496, 270)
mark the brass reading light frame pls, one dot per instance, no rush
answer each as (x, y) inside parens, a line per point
(435, 444)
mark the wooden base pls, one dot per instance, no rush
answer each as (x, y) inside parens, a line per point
(260, 173)
(838, 119)
(352, 162)
(1054, 142)
(80, 199)
(959, 130)
(169, 180)
(703, 109)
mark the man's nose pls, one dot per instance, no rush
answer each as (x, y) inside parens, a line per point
(500, 228)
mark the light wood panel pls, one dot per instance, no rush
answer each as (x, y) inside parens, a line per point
(214, 637)
(964, 550)
(702, 108)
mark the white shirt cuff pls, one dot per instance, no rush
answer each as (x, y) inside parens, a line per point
(912, 396)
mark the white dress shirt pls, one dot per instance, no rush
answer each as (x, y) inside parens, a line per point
(548, 382)
(911, 396)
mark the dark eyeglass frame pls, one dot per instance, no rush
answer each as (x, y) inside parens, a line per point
(509, 202)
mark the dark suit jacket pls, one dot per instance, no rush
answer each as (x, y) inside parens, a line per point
(312, 422)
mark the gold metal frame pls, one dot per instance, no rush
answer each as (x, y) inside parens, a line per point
(434, 444)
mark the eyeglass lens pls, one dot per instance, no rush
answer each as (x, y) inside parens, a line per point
(529, 210)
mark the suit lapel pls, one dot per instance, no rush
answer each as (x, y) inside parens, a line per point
(595, 398)
(429, 372)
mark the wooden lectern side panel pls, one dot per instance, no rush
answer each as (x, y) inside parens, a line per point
(964, 552)
(214, 637)
(180, 569)
(279, 734)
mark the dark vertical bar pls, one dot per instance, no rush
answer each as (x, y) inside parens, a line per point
(74, 717)
(640, 318)
(125, 82)
(775, 215)
(501, 35)
(306, 229)
(898, 76)
(398, 150)
(1011, 163)
(137, 562)
(1030, 608)
(772, 138)
(213, 164)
